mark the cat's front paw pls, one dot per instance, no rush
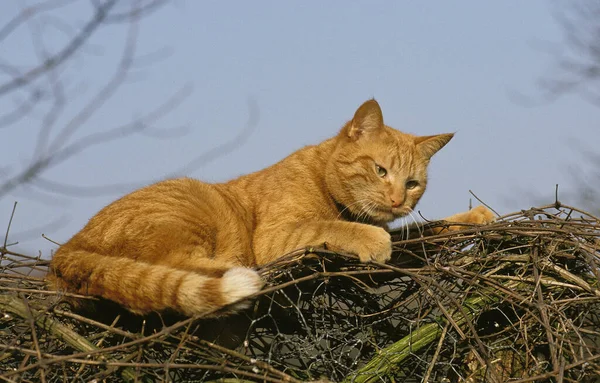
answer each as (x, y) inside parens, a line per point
(375, 245)
(480, 215)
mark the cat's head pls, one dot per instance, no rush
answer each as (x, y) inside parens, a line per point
(378, 173)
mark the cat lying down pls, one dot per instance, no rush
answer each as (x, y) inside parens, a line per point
(189, 246)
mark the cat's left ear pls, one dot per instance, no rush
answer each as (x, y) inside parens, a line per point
(429, 145)
(367, 119)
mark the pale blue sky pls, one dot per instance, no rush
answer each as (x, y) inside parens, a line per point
(435, 67)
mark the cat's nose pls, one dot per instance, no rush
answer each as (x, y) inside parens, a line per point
(396, 201)
(397, 197)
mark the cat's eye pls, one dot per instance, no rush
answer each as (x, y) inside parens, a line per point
(381, 172)
(411, 184)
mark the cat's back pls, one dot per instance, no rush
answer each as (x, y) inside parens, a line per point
(168, 213)
(158, 201)
(291, 188)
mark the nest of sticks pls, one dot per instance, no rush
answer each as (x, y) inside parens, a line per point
(518, 301)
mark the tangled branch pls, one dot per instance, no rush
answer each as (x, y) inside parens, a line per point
(517, 301)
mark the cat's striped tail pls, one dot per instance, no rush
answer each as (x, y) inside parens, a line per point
(143, 287)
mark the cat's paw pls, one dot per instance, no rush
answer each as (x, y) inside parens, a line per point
(480, 215)
(374, 245)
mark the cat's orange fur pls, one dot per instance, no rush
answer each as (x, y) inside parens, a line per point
(190, 246)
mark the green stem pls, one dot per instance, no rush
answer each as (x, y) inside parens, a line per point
(16, 306)
(387, 360)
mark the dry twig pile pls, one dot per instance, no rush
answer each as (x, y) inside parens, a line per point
(517, 300)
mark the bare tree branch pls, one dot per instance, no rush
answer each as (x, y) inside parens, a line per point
(64, 54)
(578, 60)
(66, 152)
(577, 71)
(28, 13)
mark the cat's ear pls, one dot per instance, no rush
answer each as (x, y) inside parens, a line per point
(367, 119)
(429, 145)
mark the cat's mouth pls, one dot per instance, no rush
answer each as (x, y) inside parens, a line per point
(380, 213)
(389, 213)
(401, 212)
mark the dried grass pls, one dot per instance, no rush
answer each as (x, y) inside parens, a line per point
(518, 300)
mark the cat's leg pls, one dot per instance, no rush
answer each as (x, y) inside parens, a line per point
(370, 243)
(479, 215)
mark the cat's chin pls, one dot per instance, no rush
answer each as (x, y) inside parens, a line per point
(386, 215)
(401, 212)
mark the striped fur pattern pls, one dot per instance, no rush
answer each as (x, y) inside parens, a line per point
(189, 246)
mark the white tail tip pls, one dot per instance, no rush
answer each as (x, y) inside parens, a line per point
(240, 282)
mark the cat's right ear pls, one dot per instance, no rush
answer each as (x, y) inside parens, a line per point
(367, 119)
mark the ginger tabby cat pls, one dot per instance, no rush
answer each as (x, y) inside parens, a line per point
(189, 246)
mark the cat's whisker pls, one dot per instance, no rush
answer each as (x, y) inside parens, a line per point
(365, 208)
(405, 229)
(347, 207)
(369, 208)
(361, 212)
(417, 225)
